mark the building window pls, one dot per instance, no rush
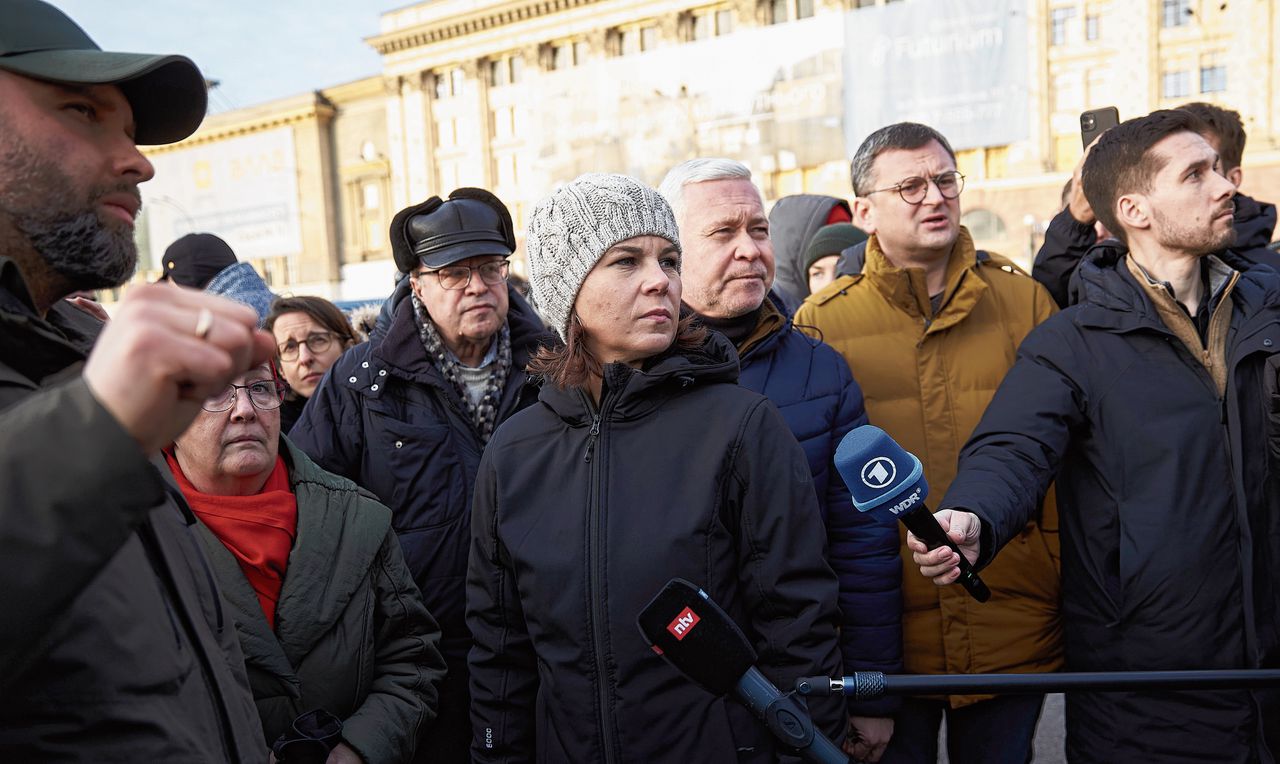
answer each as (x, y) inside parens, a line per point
(996, 161)
(1175, 13)
(724, 22)
(562, 56)
(969, 162)
(565, 55)
(505, 170)
(449, 83)
(637, 39)
(1091, 32)
(1175, 84)
(705, 24)
(1059, 19)
(984, 225)
(778, 11)
(648, 37)
(504, 123)
(369, 226)
(506, 70)
(447, 133)
(1213, 79)
(371, 196)
(789, 10)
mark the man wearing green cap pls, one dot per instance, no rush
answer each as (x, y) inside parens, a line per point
(114, 642)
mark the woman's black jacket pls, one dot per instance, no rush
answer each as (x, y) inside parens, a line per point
(582, 514)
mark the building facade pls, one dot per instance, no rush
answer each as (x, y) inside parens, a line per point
(520, 95)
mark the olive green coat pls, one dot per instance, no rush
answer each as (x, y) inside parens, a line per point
(352, 635)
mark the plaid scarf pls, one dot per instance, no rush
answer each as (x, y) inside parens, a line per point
(483, 415)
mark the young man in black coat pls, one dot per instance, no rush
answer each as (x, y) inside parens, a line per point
(1153, 402)
(1073, 231)
(115, 644)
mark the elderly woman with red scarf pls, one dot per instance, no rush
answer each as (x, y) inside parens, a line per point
(326, 611)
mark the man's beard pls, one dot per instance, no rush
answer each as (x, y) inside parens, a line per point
(73, 240)
(88, 253)
(1195, 240)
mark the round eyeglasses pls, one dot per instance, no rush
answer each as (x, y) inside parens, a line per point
(264, 394)
(459, 276)
(316, 342)
(913, 190)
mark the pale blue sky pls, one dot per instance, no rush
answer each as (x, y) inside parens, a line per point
(257, 49)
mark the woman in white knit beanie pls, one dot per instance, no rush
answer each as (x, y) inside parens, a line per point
(643, 461)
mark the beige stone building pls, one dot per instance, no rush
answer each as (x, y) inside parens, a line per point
(519, 95)
(299, 186)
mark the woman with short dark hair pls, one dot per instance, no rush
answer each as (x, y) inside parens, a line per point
(311, 334)
(641, 461)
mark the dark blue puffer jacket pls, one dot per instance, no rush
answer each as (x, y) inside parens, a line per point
(810, 383)
(386, 418)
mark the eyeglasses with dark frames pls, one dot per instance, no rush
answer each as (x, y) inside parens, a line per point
(459, 276)
(913, 190)
(316, 342)
(264, 394)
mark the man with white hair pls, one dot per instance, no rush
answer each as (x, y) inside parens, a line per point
(728, 272)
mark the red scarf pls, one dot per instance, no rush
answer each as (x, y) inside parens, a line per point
(258, 529)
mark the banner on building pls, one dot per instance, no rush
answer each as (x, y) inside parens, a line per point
(960, 66)
(768, 96)
(244, 189)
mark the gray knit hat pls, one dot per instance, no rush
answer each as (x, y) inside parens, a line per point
(570, 230)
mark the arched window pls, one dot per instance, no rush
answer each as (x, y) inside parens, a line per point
(983, 224)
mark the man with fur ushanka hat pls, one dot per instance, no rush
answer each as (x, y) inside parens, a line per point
(407, 414)
(643, 460)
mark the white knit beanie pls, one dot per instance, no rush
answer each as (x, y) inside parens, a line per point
(570, 230)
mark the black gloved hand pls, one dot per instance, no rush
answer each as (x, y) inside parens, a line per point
(313, 736)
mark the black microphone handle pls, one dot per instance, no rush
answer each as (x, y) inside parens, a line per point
(872, 685)
(787, 718)
(920, 521)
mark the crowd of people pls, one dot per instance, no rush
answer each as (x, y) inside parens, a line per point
(235, 528)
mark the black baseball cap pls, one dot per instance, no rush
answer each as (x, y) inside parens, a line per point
(167, 93)
(195, 259)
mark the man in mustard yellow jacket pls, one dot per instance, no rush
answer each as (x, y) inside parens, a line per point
(930, 326)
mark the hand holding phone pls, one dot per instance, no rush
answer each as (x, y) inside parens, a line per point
(1095, 122)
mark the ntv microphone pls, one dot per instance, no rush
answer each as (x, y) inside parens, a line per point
(702, 642)
(881, 474)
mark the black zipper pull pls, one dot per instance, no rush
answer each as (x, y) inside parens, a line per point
(591, 439)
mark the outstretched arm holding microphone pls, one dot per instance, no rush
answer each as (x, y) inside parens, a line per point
(943, 564)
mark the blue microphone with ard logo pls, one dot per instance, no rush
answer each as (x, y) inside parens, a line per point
(883, 476)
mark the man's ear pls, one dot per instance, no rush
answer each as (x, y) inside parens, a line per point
(1236, 176)
(1133, 211)
(863, 215)
(415, 284)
